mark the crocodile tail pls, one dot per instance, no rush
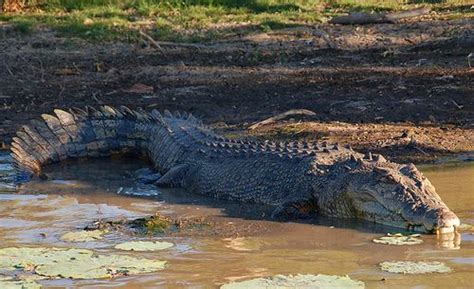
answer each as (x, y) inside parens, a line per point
(79, 133)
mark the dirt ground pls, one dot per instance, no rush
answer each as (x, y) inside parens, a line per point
(405, 90)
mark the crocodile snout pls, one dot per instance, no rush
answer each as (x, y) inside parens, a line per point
(445, 221)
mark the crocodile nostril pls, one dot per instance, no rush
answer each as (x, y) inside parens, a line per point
(448, 219)
(447, 222)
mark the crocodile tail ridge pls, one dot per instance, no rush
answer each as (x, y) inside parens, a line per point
(77, 133)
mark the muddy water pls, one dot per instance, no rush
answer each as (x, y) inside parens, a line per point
(240, 247)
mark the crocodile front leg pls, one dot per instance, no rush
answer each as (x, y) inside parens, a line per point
(176, 177)
(296, 209)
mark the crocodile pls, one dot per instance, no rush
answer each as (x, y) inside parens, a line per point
(297, 178)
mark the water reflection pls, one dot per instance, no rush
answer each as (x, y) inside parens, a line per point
(449, 240)
(246, 245)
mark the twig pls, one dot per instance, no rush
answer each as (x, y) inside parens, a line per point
(77, 68)
(177, 44)
(160, 44)
(281, 116)
(456, 104)
(94, 97)
(8, 68)
(321, 33)
(42, 71)
(152, 41)
(63, 88)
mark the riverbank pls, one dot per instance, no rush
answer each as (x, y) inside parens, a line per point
(403, 90)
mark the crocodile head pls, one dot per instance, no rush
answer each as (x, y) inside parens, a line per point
(377, 190)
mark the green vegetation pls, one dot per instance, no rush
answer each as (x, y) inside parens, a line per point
(23, 26)
(154, 225)
(194, 20)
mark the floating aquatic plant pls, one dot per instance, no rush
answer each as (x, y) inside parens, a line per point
(399, 239)
(83, 236)
(144, 246)
(8, 283)
(407, 267)
(297, 281)
(74, 263)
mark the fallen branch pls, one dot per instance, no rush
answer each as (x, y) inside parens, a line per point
(151, 40)
(159, 44)
(374, 18)
(281, 116)
(314, 31)
(408, 14)
(192, 45)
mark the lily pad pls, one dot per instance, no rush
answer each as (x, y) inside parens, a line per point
(465, 227)
(407, 267)
(399, 239)
(297, 281)
(8, 283)
(100, 266)
(144, 246)
(74, 263)
(83, 236)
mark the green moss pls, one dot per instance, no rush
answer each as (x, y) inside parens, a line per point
(153, 225)
(156, 225)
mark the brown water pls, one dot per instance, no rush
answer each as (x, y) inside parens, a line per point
(240, 248)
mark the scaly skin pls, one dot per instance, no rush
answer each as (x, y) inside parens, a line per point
(298, 178)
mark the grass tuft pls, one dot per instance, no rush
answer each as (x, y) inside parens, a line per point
(23, 26)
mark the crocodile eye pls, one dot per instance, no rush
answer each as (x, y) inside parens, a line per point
(389, 178)
(392, 178)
